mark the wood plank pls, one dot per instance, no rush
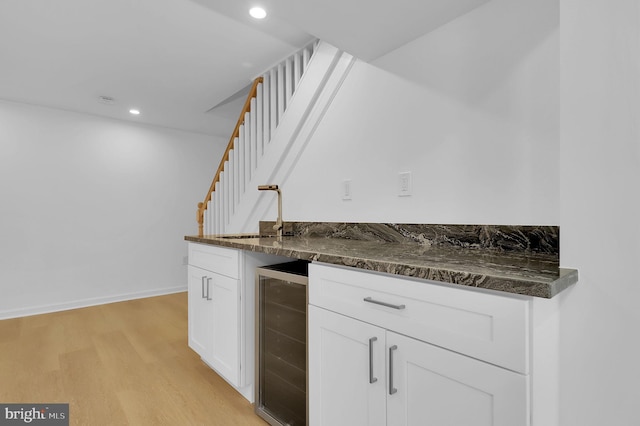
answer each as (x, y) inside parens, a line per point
(121, 363)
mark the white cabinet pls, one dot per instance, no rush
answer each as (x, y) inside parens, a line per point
(490, 327)
(430, 385)
(221, 287)
(225, 327)
(200, 312)
(214, 321)
(346, 370)
(367, 368)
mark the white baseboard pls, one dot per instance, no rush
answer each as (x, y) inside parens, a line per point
(46, 309)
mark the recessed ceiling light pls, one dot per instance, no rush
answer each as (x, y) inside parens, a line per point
(258, 12)
(134, 111)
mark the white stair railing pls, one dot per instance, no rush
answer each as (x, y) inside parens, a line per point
(266, 104)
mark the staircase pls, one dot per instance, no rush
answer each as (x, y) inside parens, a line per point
(281, 111)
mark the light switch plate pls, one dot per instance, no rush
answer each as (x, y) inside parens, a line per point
(346, 189)
(405, 184)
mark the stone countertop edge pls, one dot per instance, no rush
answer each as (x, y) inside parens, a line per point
(537, 287)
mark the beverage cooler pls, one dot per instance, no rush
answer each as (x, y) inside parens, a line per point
(281, 343)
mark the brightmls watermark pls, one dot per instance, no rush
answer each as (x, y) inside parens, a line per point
(35, 414)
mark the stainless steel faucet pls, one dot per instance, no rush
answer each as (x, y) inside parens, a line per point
(278, 227)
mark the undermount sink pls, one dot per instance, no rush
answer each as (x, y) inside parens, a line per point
(265, 230)
(243, 236)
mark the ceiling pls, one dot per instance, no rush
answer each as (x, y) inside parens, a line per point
(185, 63)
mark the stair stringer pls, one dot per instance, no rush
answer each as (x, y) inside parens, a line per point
(318, 87)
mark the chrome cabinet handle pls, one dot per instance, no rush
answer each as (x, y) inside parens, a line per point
(392, 390)
(208, 288)
(371, 378)
(388, 305)
(203, 278)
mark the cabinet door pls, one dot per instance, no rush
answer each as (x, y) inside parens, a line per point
(345, 357)
(200, 312)
(438, 387)
(225, 327)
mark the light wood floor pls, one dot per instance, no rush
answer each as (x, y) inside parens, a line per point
(123, 363)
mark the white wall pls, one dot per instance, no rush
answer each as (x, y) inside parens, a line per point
(94, 209)
(480, 126)
(474, 117)
(600, 211)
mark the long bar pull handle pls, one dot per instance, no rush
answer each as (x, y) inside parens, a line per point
(203, 278)
(371, 378)
(208, 288)
(392, 390)
(388, 305)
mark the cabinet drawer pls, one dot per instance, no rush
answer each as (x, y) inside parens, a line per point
(493, 328)
(216, 259)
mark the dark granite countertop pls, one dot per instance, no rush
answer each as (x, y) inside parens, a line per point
(520, 260)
